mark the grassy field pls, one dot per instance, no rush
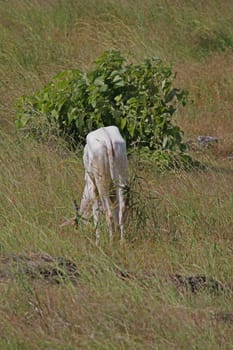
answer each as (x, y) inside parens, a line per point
(182, 223)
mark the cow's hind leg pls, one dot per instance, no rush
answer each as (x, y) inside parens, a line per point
(95, 209)
(109, 217)
(122, 210)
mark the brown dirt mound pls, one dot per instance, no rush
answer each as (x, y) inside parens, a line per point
(226, 317)
(197, 283)
(38, 266)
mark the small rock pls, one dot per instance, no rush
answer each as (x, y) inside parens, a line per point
(207, 140)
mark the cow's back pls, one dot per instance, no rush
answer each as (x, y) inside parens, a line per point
(107, 151)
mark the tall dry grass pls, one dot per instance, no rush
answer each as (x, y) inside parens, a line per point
(180, 222)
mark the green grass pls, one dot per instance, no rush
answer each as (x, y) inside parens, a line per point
(181, 222)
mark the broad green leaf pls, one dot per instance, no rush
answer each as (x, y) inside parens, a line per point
(118, 98)
(123, 123)
(119, 83)
(99, 81)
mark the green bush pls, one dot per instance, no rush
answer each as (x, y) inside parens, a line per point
(138, 98)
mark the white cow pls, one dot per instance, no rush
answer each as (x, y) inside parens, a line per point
(106, 178)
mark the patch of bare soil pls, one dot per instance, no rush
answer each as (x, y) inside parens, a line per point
(38, 266)
(197, 283)
(193, 284)
(60, 269)
(226, 317)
